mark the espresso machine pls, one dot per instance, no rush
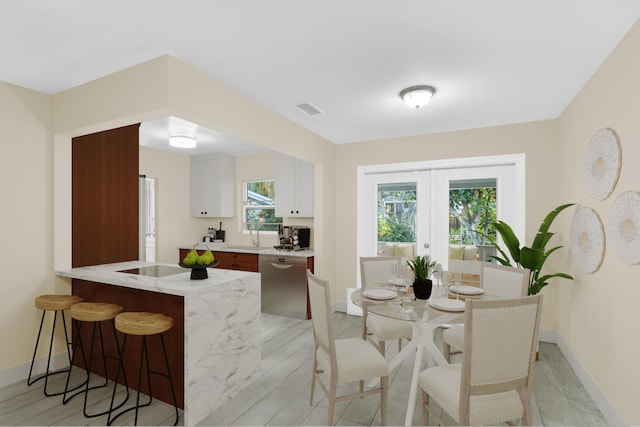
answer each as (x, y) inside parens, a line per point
(293, 237)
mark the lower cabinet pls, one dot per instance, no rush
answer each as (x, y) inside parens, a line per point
(237, 261)
(231, 260)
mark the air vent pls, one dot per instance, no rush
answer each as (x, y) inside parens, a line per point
(309, 109)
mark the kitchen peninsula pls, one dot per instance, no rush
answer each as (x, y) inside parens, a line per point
(217, 337)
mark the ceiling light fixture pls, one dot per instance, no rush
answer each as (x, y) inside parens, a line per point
(417, 96)
(182, 141)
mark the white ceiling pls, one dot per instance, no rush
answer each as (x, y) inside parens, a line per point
(492, 62)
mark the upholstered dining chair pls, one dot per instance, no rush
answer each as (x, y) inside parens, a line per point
(345, 360)
(497, 280)
(493, 383)
(375, 272)
(470, 272)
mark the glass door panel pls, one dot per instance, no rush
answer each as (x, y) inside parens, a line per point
(467, 201)
(397, 214)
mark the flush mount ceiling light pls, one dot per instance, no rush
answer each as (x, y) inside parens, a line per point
(182, 141)
(417, 96)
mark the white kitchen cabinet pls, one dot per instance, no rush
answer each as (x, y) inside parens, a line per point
(213, 185)
(294, 187)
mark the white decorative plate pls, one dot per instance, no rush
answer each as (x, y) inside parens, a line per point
(587, 240)
(466, 290)
(602, 164)
(447, 304)
(624, 226)
(380, 294)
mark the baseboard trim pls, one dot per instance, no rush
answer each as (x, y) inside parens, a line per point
(21, 372)
(608, 411)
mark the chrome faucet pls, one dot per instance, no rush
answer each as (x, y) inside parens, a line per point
(255, 242)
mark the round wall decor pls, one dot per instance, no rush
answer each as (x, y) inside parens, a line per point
(602, 164)
(624, 226)
(587, 240)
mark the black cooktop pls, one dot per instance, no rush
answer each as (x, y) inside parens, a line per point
(155, 270)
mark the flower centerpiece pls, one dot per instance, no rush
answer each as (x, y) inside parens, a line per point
(422, 267)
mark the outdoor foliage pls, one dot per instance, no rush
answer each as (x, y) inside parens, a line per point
(473, 210)
(396, 216)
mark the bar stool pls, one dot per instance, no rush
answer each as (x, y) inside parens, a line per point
(55, 303)
(94, 313)
(143, 324)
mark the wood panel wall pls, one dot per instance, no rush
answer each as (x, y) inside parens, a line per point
(105, 197)
(105, 230)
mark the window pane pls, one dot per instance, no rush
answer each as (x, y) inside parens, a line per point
(397, 212)
(259, 206)
(472, 206)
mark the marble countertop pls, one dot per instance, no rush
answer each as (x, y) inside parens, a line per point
(228, 247)
(174, 284)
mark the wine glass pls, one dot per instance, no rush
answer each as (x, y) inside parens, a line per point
(407, 298)
(457, 278)
(437, 273)
(445, 278)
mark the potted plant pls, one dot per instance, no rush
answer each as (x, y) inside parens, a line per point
(422, 267)
(532, 257)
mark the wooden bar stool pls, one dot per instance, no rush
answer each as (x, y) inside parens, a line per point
(55, 303)
(143, 324)
(94, 313)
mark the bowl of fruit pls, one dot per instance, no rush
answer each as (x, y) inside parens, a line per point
(198, 263)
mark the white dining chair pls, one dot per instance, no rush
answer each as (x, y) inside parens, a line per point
(497, 280)
(470, 272)
(344, 360)
(375, 272)
(493, 383)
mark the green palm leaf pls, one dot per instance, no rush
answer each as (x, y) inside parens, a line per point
(532, 257)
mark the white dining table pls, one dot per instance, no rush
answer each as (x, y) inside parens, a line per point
(424, 319)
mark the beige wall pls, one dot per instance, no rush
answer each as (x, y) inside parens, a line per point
(25, 218)
(175, 226)
(598, 314)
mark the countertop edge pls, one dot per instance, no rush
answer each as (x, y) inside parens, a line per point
(177, 284)
(224, 247)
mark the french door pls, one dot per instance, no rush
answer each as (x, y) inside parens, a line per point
(384, 189)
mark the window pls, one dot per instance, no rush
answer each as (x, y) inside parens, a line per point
(260, 206)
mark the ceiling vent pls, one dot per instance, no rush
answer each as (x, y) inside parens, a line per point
(309, 109)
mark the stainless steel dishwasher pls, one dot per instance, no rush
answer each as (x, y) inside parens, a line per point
(284, 285)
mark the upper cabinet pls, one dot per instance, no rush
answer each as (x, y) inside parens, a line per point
(294, 187)
(213, 182)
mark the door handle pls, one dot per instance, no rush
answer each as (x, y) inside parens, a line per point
(282, 266)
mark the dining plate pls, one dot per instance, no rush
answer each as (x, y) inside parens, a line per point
(466, 290)
(380, 294)
(447, 304)
(396, 282)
